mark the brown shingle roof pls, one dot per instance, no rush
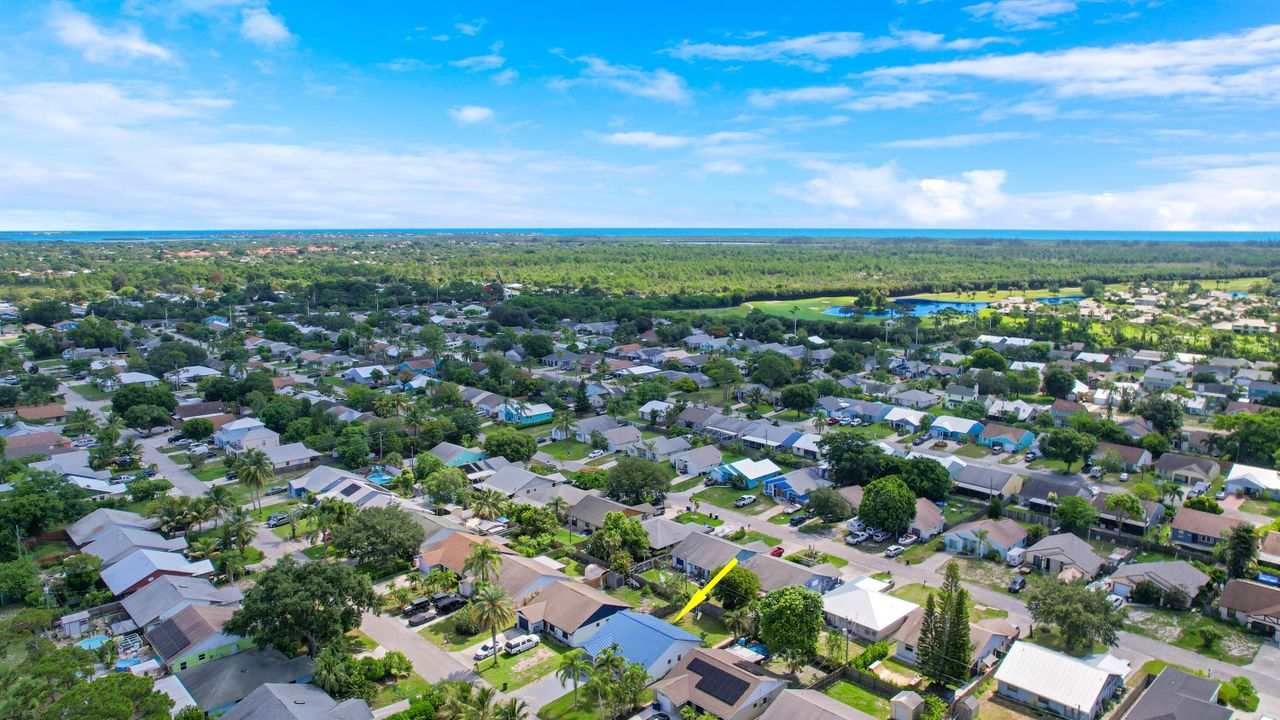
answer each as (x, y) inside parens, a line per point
(1250, 597)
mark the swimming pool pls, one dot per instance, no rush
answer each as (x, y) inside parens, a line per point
(756, 647)
(93, 643)
(381, 478)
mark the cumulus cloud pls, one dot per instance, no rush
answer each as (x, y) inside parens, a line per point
(661, 141)
(1023, 14)
(813, 52)
(1242, 65)
(957, 141)
(658, 84)
(812, 94)
(471, 28)
(259, 26)
(100, 44)
(477, 63)
(471, 114)
(505, 77)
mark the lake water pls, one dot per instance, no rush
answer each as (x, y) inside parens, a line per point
(924, 307)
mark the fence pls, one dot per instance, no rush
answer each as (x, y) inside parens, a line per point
(867, 681)
(975, 515)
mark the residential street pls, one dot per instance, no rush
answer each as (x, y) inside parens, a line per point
(183, 481)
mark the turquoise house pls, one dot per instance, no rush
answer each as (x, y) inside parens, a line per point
(746, 473)
(526, 414)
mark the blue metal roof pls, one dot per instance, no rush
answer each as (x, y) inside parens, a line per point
(641, 638)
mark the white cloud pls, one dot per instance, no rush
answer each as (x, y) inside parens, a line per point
(259, 26)
(471, 28)
(898, 100)
(1022, 14)
(97, 108)
(98, 44)
(658, 84)
(651, 140)
(1239, 197)
(957, 141)
(725, 167)
(813, 94)
(404, 65)
(505, 77)
(470, 114)
(1243, 65)
(813, 52)
(440, 38)
(478, 63)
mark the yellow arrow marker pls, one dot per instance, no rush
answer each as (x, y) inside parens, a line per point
(701, 595)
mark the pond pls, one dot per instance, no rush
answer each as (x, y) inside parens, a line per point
(924, 307)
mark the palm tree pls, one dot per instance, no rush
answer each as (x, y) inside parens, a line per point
(203, 548)
(330, 671)
(489, 504)
(102, 455)
(631, 684)
(436, 581)
(455, 699)
(220, 498)
(131, 449)
(417, 417)
(80, 422)
(573, 665)
(482, 705)
(483, 563)
(230, 562)
(254, 469)
(239, 527)
(560, 507)
(755, 396)
(564, 421)
(515, 709)
(608, 664)
(494, 611)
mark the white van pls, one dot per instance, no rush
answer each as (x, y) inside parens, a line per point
(1014, 558)
(517, 645)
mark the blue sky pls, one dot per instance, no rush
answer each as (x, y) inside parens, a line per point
(1106, 114)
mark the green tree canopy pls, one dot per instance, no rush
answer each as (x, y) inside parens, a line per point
(510, 444)
(791, 620)
(888, 504)
(634, 480)
(380, 535)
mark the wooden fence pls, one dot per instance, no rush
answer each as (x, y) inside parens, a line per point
(867, 681)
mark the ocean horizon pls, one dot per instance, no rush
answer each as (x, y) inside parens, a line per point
(124, 236)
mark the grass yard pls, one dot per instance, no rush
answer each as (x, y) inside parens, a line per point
(697, 518)
(992, 574)
(90, 392)
(724, 497)
(305, 525)
(315, 552)
(211, 472)
(781, 518)
(1051, 465)
(393, 692)
(1047, 636)
(516, 671)
(862, 699)
(358, 642)
(919, 594)
(1182, 629)
(920, 552)
(960, 507)
(973, 451)
(820, 558)
(818, 528)
(565, 536)
(711, 630)
(566, 449)
(686, 485)
(443, 633)
(1261, 506)
(745, 537)
(877, 431)
(562, 708)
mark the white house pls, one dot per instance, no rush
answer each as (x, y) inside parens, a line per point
(1249, 480)
(366, 375)
(868, 614)
(235, 430)
(1072, 688)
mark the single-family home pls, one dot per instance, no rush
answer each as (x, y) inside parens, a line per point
(620, 439)
(989, 638)
(1253, 481)
(1171, 576)
(950, 427)
(985, 482)
(117, 541)
(514, 482)
(588, 513)
(664, 533)
(746, 473)
(1269, 550)
(810, 705)
(928, 521)
(1133, 459)
(956, 395)
(144, 565)
(699, 554)
(525, 413)
(218, 685)
(1071, 688)
(907, 420)
(1064, 555)
(320, 480)
(795, 486)
(985, 537)
(1252, 604)
(1117, 519)
(660, 449)
(1010, 439)
(291, 457)
(654, 411)
(84, 530)
(916, 399)
(584, 429)
(868, 614)
(284, 701)
(1062, 410)
(1187, 469)
(194, 636)
(170, 594)
(1178, 695)
(234, 431)
(775, 573)
(698, 461)
(455, 455)
(1201, 530)
(568, 611)
(367, 374)
(718, 682)
(641, 638)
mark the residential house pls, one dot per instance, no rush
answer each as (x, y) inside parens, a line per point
(1071, 688)
(775, 573)
(1201, 530)
(868, 614)
(1010, 439)
(986, 482)
(49, 412)
(1187, 469)
(1064, 555)
(641, 638)
(1134, 459)
(1062, 410)
(291, 457)
(664, 533)
(989, 639)
(320, 480)
(956, 395)
(367, 374)
(985, 537)
(194, 636)
(1253, 481)
(83, 531)
(514, 482)
(588, 513)
(746, 473)
(1252, 604)
(144, 565)
(949, 427)
(621, 438)
(1152, 515)
(255, 438)
(654, 411)
(234, 432)
(1156, 380)
(810, 705)
(456, 455)
(660, 449)
(699, 554)
(915, 399)
(905, 420)
(698, 461)
(1042, 494)
(283, 701)
(117, 541)
(170, 594)
(1168, 575)
(568, 611)
(718, 682)
(795, 486)
(34, 444)
(1179, 695)
(928, 521)
(1269, 550)
(218, 685)
(525, 413)
(584, 429)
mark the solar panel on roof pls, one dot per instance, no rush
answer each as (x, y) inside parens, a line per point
(350, 490)
(167, 638)
(717, 683)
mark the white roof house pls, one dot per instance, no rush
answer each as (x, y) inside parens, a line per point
(135, 378)
(1253, 480)
(868, 614)
(1071, 687)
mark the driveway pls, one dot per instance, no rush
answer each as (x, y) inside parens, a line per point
(432, 663)
(72, 400)
(184, 483)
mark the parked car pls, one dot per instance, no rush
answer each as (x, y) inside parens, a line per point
(594, 454)
(855, 525)
(173, 438)
(1031, 455)
(417, 605)
(996, 449)
(1124, 477)
(277, 519)
(1018, 584)
(744, 501)
(919, 441)
(1220, 495)
(1095, 472)
(832, 421)
(276, 490)
(448, 603)
(517, 645)
(777, 551)
(894, 551)
(854, 538)
(198, 449)
(182, 442)
(798, 519)
(1116, 601)
(880, 536)
(486, 650)
(422, 618)
(908, 539)
(1094, 490)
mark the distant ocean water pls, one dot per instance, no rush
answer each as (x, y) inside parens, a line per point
(692, 233)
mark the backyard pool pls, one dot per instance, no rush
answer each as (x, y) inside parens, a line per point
(755, 647)
(381, 478)
(93, 643)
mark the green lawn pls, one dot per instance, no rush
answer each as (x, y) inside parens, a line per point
(359, 642)
(562, 708)
(781, 518)
(877, 431)
(90, 392)
(316, 552)
(393, 692)
(822, 558)
(919, 594)
(1052, 465)
(566, 536)
(686, 485)
(566, 449)
(960, 507)
(724, 497)
(697, 518)
(920, 552)
(445, 635)
(857, 697)
(304, 526)
(973, 450)
(1047, 636)
(211, 472)
(746, 537)
(1261, 506)
(711, 630)
(516, 671)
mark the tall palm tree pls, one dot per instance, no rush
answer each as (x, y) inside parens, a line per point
(102, 455)
(489, 504)
(131, 449)
(514, 709)
(80, 422)
(629, 690)
(239, 527)
(494, 611)
(483, 563)
(564, 421)
(755, 396)
(330, 671)
(254, 469)
(229, 562)
(203, 548)
(573, 665)
(560, 507)
(220, 498)
(437, 581)
(455, 699)
(608, 664)
(417, 417)
(482, 704)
